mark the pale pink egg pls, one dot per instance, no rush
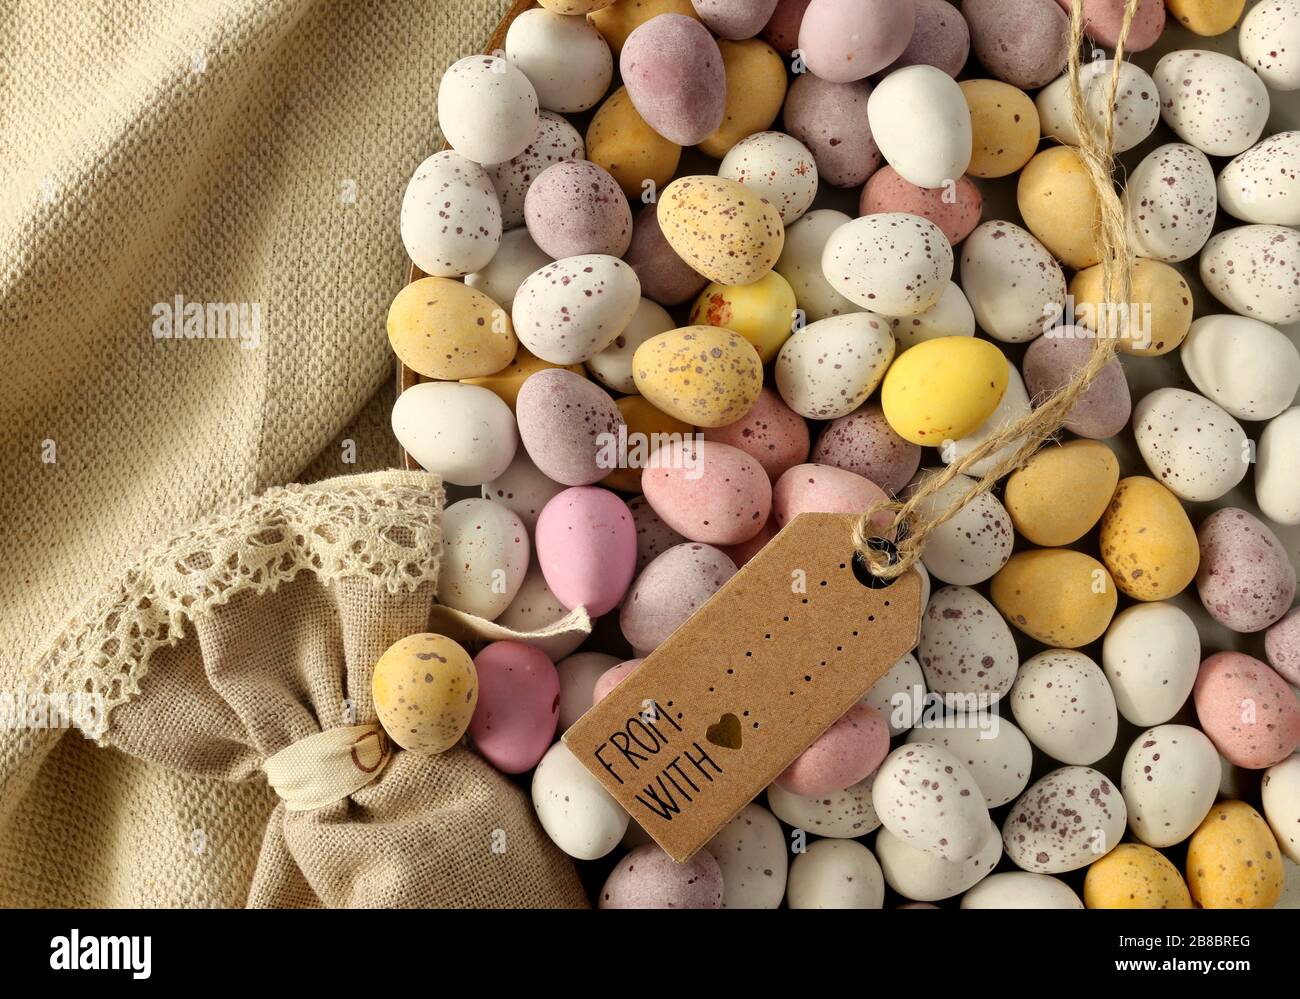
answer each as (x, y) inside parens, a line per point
(824, 489)
(612, 677)
(743, 552)
(518, 705)
(586, 546)
(846, 753)
(771, 433)
(1247, 710)
(708, 492)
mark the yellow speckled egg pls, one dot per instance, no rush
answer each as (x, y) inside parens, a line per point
(1059, 206)
(445, 329)
(1061, 597)
(1147, 542)
(762, 312)
(704, 375)
(1233, 860)
(721, 229)
(755, 93)
(1004, 127)
(943, 389)
(620, 19)
(1206, 17)
(1161, 313)
(574, 6)
(425, 689)
(620, 141)
(1061, 492)
(1134, 876)
(505, 383)
(645, 425)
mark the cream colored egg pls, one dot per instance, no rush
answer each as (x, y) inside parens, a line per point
(485, 557)
(1211, 100)
(777, 166)
(922, 124)
(487, 109)
(835, 874)
(451, 219)
(966, 648)
(1255, 271)
(751, 852)
(1171, 203)
(1247, 367)
(926, 796)
(612, 367)
(1136, 110)
(899, 695)
(950, 316)
(572, 309)
(928, 877)
(1262, 185)
(1270, 43)
(892, 262)
(1021, 890)
(1281, 793)
(1014, 284)
(565, 58)
(1190, 445)
(578, 814)
(974, 543)
(517, 257)
(1065, 706)
(1151, 655)
(1170, 779)
(522, 489)
(464, 433)
(996, 753)
(1065, 821)
(828, 369)
(801, 264)
(845, 814)
(1277, 487)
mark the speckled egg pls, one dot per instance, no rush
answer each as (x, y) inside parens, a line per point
(1133, 876)
(579, 815)
(665, 277)
(576, 208)
(822, 489)
(899, 695)
(586, 546)
(997, 755)
(921, 124)
(1059, 205)
(1171, 203)
(801, 264)
(954, 209)
(464, 433)
(845, 814)
(722, 229)
(1170, 779)
(1057, 496)
(735, 18)
(840, 757)
(1146, 540)
(1270, 44)
(653, 536)
(1211, 100)
(566, 424)
(488, 109)
(612, 367)
(536, 608)
(1013, 283)
(1161, 304)
(1103, 19)
(827, 369)
(1280, 789)
(965, 645)
(1021, 42)
(1058, 596)
(1206, 17)
(1233, 860)
(579, 676)
(975, 542)
(835, 874)
(674, 73)
(751, 853)
(573, 309)
(1246, 579)
(556, 142)
(445, 330)
(847, 40)
(1262, 185)
(925, 796)
(575, 6)
(618, 20)
(1066, 820)
(647, 429)
(522, 488)
(704, 375)
(620, 141)
(896, 263)
(501, 277)
(1247, 367)
(425, 688)
(1247, 710)
(1255, 271)
(950, 316)
(762, 312)
(565, 59)
(756, 82)
(1151, 656)
(1004, 127)
(518, 700)
(1064, 705)
(943, 389)
(1050, 363)
(451, 220)
(668, 591)
(940, 38)
(1021, 890)
(771, 433)
(1136, 112)
(485, 557)
(505, 384)
(779, 167)
(1190, 444)
(709, 492)
(831, 120)
(926, 876)
(864, 443)
(1282, 647)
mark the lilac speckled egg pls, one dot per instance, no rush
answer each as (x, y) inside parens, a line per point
(823, 489)
(940, 39)
(563, 420)
(653, 536)
(1246, 579)
(673, 72)
(831, 120)
(847, 40)
(1282, 646)
(844, 754)
(782, 29)
(611, 678)
(771, 433)
(1102, 20)
(647, 878)
(735, 19)
(576, 207)
(665, 277)
(669, 590)
(555, 142)
(1247, 710)
(1021, 42)
(586, 546)
(743, 552)
(710, 492)
(518, 705)
(956, 211)
(864, 443)
(1050, 363)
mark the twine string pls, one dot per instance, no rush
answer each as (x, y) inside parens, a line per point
(913, 520)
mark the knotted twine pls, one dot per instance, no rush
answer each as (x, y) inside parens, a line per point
(1025, 436)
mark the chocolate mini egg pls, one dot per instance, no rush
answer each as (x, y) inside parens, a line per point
(646, 430)
(1156, 320)
(925, 876)
(1014, 285)
(896, 263)
(801, 265)
(618, 20)
(1021, 42)
(1247, 367)
(665, 277)
(1059, 205)
(762, 312)
(779, 167)
(846, 40)
(1280, 789)
(831, 120)
(1058, 596)
(709, 492)
(522, 488)
(1170, 779)
(704, 375)
(568, 426)
(578, 814)
(619, 141)
(565, 59)
(1060, 493)
(926, 797)
(1270, 45)
(1021, 890)
(1103, 20)
(586, 546)
(845, 814)
(755, 93)
(771, 433)
(840, 757)
(922, 126)
(451, 220)
(1190, 444)
(1255, 271)
(955, 209)
(898, 695)
(668, 591)
(1277, 489)
(1004, 127)
(573, 309)
(536, 608)
(971, 545)
(556, 142)
(1233, 860)
(445, 330)
(576, 208)
(1136, 110)
(1262, 185)
(1066, 820)
(965, 645)
(579, 676)
(1065, 707)
(1050, 363)
(829, 368)
(835, 874)
(464, 433)
(517, 257)
(1171, 203)
(674, 73)
(1133, 876)
(1146, 540)
(485, 557)
(612, 367)
(998, 755)
(507, 382)
(1211, 100)
(611, 678)
(950, 316)
(721, 229)
(1247, 710)
(1151, 656)
(751, 853)
(782, 28)
(488, 109)
(864, 443)
(940, 38)
(943, 389)
(1206, 17)
(425, 688)
(518, 700)
(647, 878)
(1246, 579)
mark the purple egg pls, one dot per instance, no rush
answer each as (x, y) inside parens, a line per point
(665, 277)
(1021, 42)
(734, 19)
(940, 38)
(518, 705)
(1282, 646)
(1050, 363)
(669, 590)
(563, 419)
(831, 120)
(1246, 580)
(586, 547)
(847, 40)
(865, 444)
(576, 207)
(647, 878)
(673, 72)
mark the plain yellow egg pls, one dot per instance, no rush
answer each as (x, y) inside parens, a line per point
(1061, 492)
(1206, 17)
(620, 141)
(505, 383)
(646, 423)
(943, 389)
(1004, 127)
(1134, 876)
(762, 312)
(619, 19)
(1061, 597)
(756, 82)
(1059, 205)
(444, 329)
(1156, 321)
(1233, 860)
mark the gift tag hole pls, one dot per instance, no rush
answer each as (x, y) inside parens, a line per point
(863, 572)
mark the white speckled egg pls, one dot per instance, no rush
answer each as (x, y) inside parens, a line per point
(997, 754)
(579, 815)
(612, 367)
(827, 369)
(895, 263)
(535, 608)
(522, 488)
(485, 553)
(1211, 100)
(1137, 104)
(517, 257)
(1262, 185)
(1013, 407)
(921, 123)
(1021, 890)
(1014, 285)
(777, 166)
(1065, 821)
(1247, 367)
(800, 264)
(751, 852)
(928, 877)
(1255, 271)
(1190, 445)
(451, 221)
(464, 433)
(556, 141)
(1277, 487)
(926, 796)
(572, 309)
(1269, 40)
(1281, 793)
(487, 109)
(950, 316)
(1170, 779)
(973, 544)
(966, 646)
(1065, 706)
(1171, 203)
(566, 59)
(835, 874)
(1151, 655)
(845, 814)
(899, 695)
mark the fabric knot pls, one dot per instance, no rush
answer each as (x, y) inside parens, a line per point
(328, 766)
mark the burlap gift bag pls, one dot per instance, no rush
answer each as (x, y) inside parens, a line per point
(242, 651)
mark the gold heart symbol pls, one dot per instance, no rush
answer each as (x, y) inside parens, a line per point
(726, 733)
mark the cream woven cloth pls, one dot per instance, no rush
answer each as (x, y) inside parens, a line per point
(249, 153)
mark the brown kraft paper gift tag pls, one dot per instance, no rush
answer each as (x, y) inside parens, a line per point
(713, 715)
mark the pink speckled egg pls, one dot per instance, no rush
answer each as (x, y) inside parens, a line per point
(566, 423)
(586, 546)
(673, 72)
(956, 214)
(824, 489)
(1050, 363)
(1246, 579)
(1282, 647)
(831, 120)
(647, 878)
(577, 207)
(842, 755)
(1102, 20)
(771, 433)
(611, 678)
(669, 590)
(1021, 42)
(940, 39)
(1247, 710)
(865, 444)
(847, 40)
(708, 492)
(518, 705)
(665, 277)
(782, 29)
(743, 552)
